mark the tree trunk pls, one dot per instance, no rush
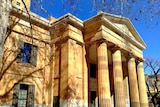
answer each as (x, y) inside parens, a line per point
(5, 8)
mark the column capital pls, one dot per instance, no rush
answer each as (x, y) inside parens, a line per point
(128, 56)
(98, 42)
(139, 60)
(113, 48)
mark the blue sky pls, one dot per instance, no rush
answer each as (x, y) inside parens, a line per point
(151, 36)
(149, 31)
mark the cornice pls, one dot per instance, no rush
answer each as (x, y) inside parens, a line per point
(69, 19)
(30, 17)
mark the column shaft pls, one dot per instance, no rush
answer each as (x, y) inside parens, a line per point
(142, 86)
(85, 78)
(133, 84)
(126, 83)
(103, 76)
(118, 79)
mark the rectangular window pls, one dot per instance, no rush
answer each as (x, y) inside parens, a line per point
(23, 95)
(93, 69)
(56, 101)
(93, 98)
(27, 53)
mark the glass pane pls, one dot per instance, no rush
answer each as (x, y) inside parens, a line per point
(22, 103)
(23, 94)
(26, 53)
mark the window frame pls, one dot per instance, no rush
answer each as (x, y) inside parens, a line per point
(23, 88)
(29, 98)
(33, 53)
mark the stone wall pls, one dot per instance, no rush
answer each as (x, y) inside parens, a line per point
(13, 72)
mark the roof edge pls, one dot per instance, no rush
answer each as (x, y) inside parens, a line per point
(33, 17)
(68, 17)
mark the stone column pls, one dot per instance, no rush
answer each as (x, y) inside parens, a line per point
(142, 86)
(133, 85)
(103, 76)
(118, 79)
(126, 82)
(85, 77)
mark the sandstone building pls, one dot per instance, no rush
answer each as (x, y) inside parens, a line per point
(67, 62)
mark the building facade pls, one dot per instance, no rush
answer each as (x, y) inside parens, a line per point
(67, 62)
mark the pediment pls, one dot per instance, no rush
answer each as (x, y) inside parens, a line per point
(124, 29)
(125, 26)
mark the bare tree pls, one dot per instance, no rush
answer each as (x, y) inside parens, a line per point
(9, 57)
(153, 80)
(5, 8)
(134, 9)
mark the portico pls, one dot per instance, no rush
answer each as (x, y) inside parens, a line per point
(116, 50)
